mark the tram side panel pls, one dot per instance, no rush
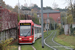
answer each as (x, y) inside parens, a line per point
(37, 32)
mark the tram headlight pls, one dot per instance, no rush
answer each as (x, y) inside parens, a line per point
(30, 38)
(20, 38)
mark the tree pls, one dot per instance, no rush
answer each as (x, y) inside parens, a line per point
(3, 4)
(51, 20)
(35, 18)
(69, 22)
(16, 9)
(62, 10)
(55, 5)
(51, 23)
(48, 8)
(18, 18)
(64, 20)
(9, 7)
(63, 14)
(71, 9)
(35, 6)
(70, 19)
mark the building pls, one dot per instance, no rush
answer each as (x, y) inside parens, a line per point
(47, 14)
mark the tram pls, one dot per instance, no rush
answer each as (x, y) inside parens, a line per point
(28, 32)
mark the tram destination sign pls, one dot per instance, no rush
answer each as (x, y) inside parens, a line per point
(25, 23)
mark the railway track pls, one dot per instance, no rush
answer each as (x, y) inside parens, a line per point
(54, 45)
(19, 47)
(60, 44)
(47, 44)
(33, 47)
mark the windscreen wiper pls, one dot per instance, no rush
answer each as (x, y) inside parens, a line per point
(27, 34)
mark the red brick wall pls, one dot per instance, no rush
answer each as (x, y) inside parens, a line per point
(53, 15)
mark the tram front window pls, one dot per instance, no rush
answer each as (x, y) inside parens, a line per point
(25, 30)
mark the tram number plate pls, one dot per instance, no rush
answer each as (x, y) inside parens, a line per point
(25, 38)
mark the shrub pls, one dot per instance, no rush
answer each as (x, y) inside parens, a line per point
(1, 46)
(5, 43)
(72, 30)
(58, 27)
(61, 31)
(74, 33)
(52, 27)
(36, 20)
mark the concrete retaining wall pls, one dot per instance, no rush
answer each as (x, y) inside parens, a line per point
(11, 33)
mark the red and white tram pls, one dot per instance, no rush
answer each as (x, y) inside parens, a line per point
(28, 32)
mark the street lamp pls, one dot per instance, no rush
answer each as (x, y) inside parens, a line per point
(42, 23)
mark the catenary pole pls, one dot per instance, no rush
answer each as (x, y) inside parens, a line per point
(47, 22)
(18, 9)
(42, 23)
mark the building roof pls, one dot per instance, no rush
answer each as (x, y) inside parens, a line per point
(50, 11)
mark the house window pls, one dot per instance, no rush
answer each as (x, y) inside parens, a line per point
(58, 19)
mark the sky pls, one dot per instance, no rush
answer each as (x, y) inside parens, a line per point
(61, 3)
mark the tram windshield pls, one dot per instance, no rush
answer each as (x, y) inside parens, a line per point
(25, 30)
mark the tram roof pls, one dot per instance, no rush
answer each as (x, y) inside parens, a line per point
(28, 21)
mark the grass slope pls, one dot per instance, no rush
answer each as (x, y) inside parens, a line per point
(51, 43)
(65, 40)
(13, 46)
(38, 43)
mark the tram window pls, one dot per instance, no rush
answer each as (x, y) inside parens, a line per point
(25, 30)
(35, 30)
(38, 30)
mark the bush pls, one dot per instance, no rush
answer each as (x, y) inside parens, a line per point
(74, 33)
(35, 20)
(61, 31)
(18, 18)
(52, 27)
(58, 27)
(5, 43)
(1, 46)
(72, 30)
